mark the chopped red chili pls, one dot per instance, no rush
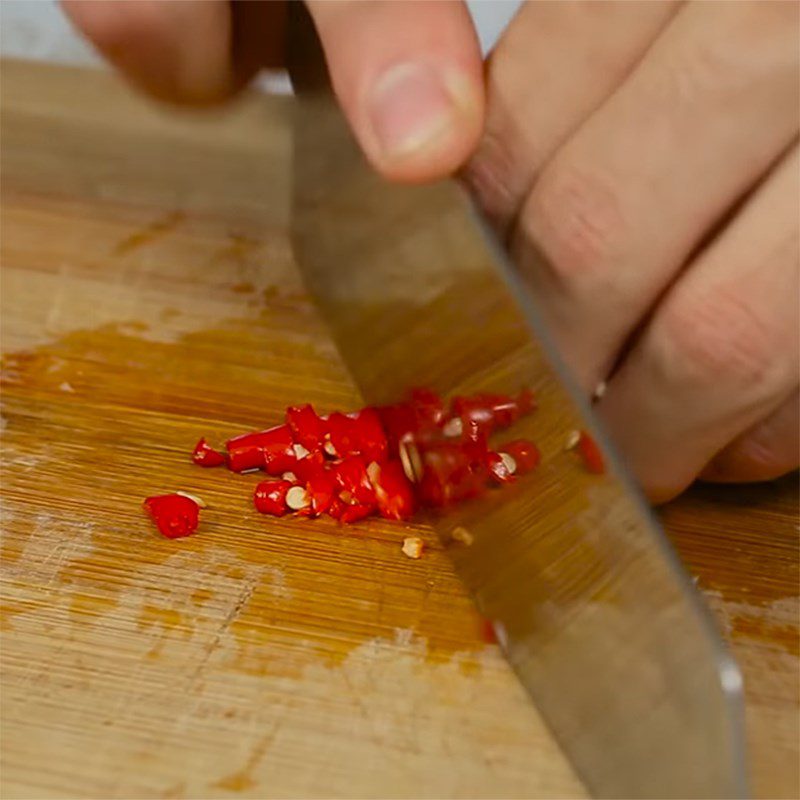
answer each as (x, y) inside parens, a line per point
(351, 477)
(385, 460)
(393, 491)
(526, 454)
(308, 429)
(206, 456)
(353, 513)
(322, 488)
(499, 468)
(270, 497)
(270, 449)
(175, 515)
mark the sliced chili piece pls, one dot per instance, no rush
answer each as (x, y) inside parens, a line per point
(451, 473)
(428, 405)
(308, 429)
(393, 491)
(351, 477)
(175, 515)
(353, 513)
(499, 468)
(525, 453)
(590, 454)
(306, 468)
(271, 448)
(370, 436)
(526, 401)
(336, 508)
(322, 489)
(343, 435)
(206, 456)
(270, 497)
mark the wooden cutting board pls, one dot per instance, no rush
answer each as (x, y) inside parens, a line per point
(149, 297)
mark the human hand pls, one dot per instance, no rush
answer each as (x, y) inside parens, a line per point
(648, 150)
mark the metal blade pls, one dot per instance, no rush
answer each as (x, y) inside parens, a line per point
(593, 609)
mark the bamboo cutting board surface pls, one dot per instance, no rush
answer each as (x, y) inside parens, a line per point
(149, 297)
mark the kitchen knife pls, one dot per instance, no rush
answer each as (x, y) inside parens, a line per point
(593, 610)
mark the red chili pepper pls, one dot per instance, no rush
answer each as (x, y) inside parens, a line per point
(590, 454)
(322, 488)
(307, 428)
(525, 453)
(429, 407)
(393, 490)
(271, 448)
(206, 456)
(309, 466)
(343, 434)
(356, 512)
(175, 515)
(270, 497)
(351, 476)
(398, 421)
(371, 438)
(336, 508)
(498, 468)
(482, 413)
(451, 473)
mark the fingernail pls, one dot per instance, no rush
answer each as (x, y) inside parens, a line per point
(410, 108)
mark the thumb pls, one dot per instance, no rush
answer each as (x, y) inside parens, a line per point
(408, 76)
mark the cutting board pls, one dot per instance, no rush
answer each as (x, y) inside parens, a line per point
(148, 298)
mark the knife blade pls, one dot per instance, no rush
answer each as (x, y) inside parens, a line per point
(592, 607)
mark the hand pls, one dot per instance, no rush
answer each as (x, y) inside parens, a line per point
(649, 150)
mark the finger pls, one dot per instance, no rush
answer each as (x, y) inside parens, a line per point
(620, 208)
(768, 450)
(409, 78)
(722, 349)
(182, 52)
(555, 63)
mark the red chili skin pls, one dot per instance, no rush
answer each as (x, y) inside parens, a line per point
(429, 407)
(336, 508)
(351, 476)
(206, 456)
(307, 428)
(343, 435)
(398, 421)
(356, 512)
(590, 454)
(525, 453)
(497, 468)
(270, 497)
(361, 434)
(393, 491)
(322, 489)
(451, 473)
(372, 442)
(483, 413)
(310, 466)
(270, 449)
(175, 515)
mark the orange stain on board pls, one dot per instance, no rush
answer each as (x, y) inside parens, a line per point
(150, 233)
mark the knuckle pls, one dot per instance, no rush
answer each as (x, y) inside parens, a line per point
(718, 337)
(494, 175)
(575, 217)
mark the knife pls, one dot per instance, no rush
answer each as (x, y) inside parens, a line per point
(590, 604)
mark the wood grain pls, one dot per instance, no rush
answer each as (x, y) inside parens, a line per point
(148, 297)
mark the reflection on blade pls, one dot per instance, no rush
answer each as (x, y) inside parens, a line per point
(593, 609)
